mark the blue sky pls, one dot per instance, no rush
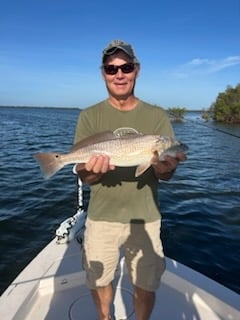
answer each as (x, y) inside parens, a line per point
(50, 50)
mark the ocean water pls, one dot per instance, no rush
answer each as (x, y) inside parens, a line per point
(200, 206)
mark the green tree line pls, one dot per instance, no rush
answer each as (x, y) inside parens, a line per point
(176, 113)
(226, 108)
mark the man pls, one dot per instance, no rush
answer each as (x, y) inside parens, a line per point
(123, 210)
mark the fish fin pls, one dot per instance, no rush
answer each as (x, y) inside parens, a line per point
(142, 168)
(96, 138)
(49, 163)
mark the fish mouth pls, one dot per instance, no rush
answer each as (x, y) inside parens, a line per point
(183, 147)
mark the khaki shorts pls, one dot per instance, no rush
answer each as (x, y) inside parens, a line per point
(142, 249)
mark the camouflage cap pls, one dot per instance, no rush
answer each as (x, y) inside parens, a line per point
(115, 45)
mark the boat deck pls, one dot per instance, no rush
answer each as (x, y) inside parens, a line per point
(53, 287)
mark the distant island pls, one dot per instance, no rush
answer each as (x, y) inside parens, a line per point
(42, 107)
(225, 109)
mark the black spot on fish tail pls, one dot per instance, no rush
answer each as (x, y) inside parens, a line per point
(50, 163)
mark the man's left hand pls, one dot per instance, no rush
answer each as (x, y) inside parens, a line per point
(164, 169)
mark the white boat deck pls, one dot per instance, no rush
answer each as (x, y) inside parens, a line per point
(52, 287)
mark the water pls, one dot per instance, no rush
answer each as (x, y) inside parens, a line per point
(200, 205)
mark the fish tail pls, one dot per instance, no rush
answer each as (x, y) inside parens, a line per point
(50, 163)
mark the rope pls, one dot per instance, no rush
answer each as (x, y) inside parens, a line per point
(73, 227)
(80, 194)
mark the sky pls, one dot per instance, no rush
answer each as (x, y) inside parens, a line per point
(50, 50)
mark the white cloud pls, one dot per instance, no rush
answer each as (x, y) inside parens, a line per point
(198, 61)
(205, 66)
(225, 63)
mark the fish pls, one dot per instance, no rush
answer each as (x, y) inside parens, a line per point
(127, 150)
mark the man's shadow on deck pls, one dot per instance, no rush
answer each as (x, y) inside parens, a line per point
(145, 269)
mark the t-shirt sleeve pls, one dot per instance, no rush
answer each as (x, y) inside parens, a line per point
(84, 128)
(163, 125)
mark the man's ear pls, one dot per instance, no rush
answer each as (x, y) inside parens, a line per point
(137, 70)
(102, 73)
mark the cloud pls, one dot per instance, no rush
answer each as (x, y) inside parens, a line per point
(205, 66)
(215, 65)
(198, 62)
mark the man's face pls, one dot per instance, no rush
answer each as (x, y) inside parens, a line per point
(120, 85)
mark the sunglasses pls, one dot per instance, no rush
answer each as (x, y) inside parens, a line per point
(125, 68)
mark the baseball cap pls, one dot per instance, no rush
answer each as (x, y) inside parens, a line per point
(115, 45)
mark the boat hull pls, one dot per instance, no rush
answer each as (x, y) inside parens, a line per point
(53, 286)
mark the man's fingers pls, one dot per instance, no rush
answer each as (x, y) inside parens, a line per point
(91, 163)
(99, 164)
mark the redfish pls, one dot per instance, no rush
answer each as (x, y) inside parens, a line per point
(127, 150)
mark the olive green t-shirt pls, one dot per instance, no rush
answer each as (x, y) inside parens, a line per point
(119, 196)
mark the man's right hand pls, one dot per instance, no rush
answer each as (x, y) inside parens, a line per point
(99, 164)
(92, 171)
